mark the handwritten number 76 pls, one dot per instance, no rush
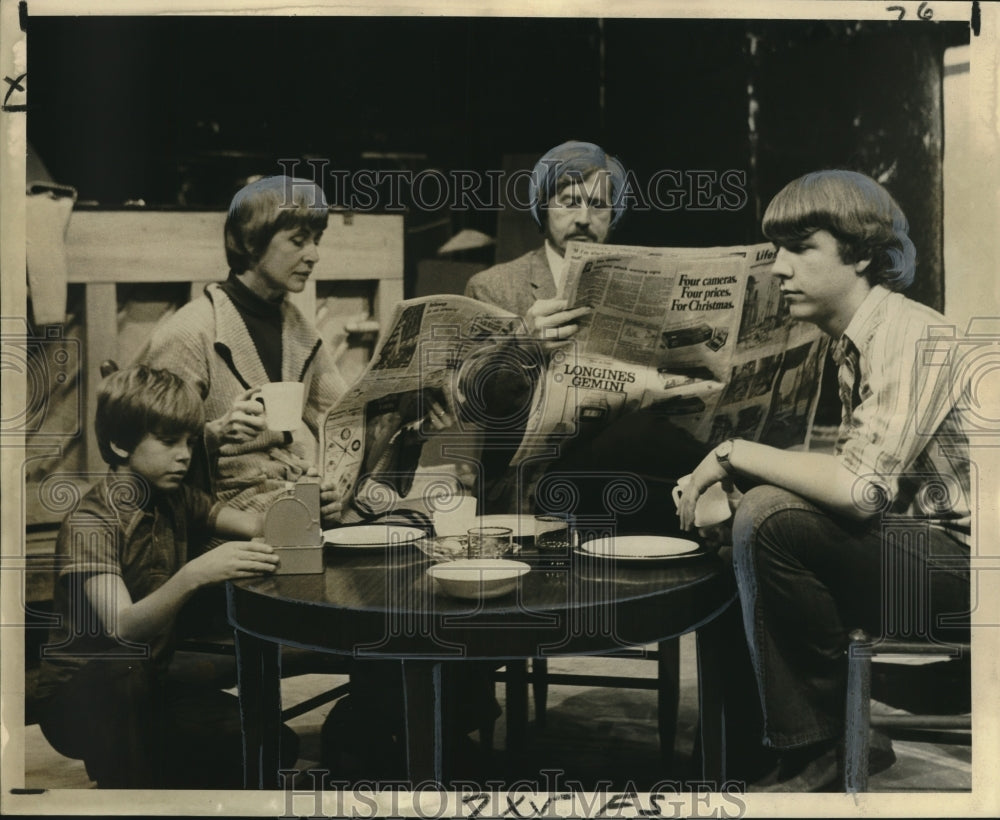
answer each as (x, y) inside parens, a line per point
(924, 11)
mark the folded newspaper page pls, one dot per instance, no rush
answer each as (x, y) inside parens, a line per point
(700, 335)
(378, 428)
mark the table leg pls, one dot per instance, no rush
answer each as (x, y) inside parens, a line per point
(711, 704)
(540, 689)
(422, 681)
(516, 692)
(668, 667)
(258, 675)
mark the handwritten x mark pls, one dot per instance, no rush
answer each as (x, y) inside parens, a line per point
(15, 85)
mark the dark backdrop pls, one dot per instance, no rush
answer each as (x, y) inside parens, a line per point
(176, 112)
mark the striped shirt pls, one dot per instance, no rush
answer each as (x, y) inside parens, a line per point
(901, 427)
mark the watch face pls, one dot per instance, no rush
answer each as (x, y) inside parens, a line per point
(723, 450)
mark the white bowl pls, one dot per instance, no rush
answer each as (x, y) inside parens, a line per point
(478, 577)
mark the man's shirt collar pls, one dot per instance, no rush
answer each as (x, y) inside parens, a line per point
(557, 266)
(858, 329)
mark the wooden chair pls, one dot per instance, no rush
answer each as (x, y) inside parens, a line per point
(862, 651)
(907, 631)
(606, 512)
(666, 684)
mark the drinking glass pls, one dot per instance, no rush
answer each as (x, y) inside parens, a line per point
(490, 542)
(552, 534)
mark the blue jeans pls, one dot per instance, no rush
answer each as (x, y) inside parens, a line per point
(807, 579)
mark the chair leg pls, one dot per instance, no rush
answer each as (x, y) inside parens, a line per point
(857, 719)
(540, 688)
(668, 694)
(486, 736)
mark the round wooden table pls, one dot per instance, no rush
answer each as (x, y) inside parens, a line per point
(380, 603)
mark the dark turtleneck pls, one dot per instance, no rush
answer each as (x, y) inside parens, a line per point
(263, 321)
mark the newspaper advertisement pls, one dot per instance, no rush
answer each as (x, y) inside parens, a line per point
(699, 335)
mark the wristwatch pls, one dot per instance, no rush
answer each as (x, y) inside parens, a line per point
(722, 454)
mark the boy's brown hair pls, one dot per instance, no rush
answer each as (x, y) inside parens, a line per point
(141, 401)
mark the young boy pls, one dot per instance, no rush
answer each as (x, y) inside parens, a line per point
(129, 562)
(808, 540)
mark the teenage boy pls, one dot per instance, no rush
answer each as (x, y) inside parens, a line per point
(808, 545)
(128, 563)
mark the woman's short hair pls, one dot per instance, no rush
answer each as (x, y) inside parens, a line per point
(264, 207)
(574, 161)
(140, 401)
(857, 211)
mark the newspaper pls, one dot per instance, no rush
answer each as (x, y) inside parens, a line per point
(429, 346)
(700, 335)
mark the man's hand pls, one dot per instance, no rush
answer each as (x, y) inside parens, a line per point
(437, 419)
(551, 323)
(243, 422)
(232, 560)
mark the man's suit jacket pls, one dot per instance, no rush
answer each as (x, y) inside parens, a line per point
(515, 285)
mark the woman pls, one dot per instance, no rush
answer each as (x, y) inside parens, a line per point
(244, 332)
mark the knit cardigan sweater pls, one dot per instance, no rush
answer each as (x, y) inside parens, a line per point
(207, 343)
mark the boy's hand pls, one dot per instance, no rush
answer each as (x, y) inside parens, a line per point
(243, 422)
(232, 560)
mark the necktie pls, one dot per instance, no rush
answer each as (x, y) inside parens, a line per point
(847, 358)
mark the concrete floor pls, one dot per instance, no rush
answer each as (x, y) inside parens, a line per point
(591, 735)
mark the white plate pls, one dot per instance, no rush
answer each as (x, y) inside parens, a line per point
(372, 535)
(639, 547)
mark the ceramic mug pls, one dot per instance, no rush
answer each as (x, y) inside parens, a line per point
(713, 504)
(282, 405)
(458, 519)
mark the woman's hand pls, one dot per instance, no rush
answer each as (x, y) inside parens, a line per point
(549, 322)
(705, 475)
(331, 504)
(232, 560)
(243, 422)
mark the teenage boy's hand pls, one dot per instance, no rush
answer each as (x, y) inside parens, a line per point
(705, 475)
(232, 560)
(244, 421)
